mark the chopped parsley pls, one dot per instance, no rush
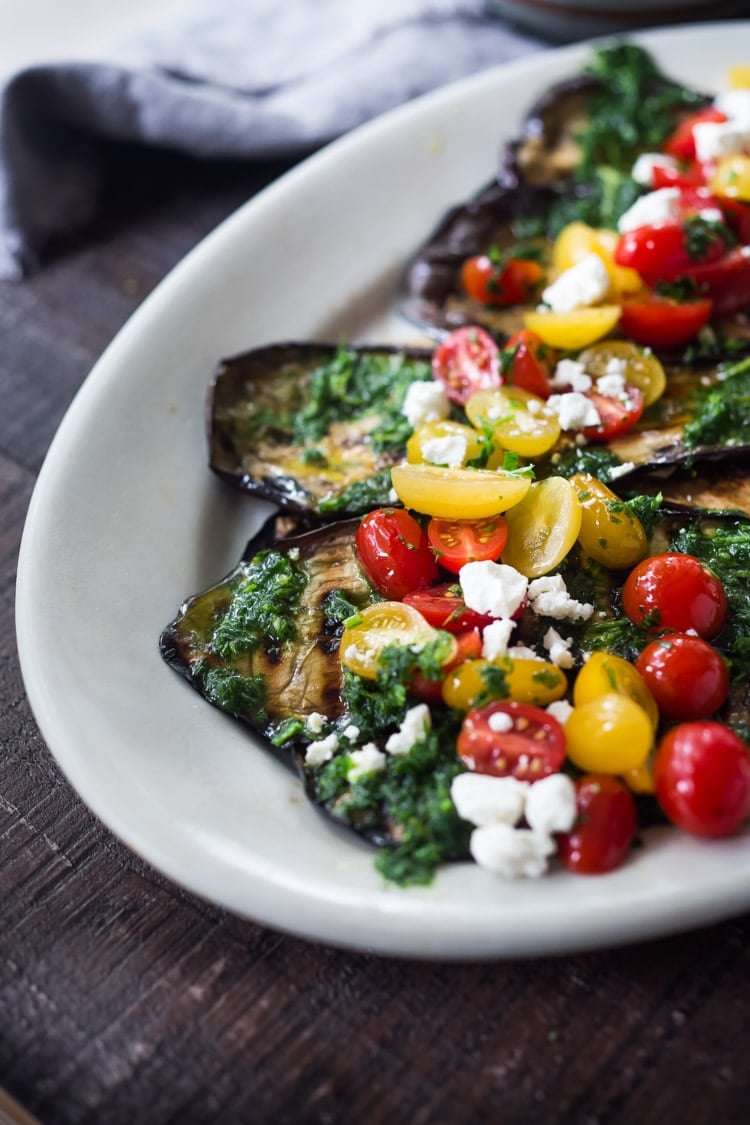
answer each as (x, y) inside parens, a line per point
(722, 415)
(261, 610)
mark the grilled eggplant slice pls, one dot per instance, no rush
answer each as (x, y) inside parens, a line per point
(313, 427)
(262, 644)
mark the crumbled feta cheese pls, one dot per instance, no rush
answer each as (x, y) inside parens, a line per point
(449, 450)
(425, 402)
(392, 496)
(582, 285)
(416, 723)
(315, 722)
(293, 554)
(495, 638)
(558, 648)
(551, 804)
(319, 752)
(613, 385)
(569, 373)
(560, 709)
(735, 105)
(482, 799)
(651, 208)
(643, 169)
(549, 597)
(492, 588)
(367, 760)
(714, 139)
(616, 366)
(534, 407)
(500, 722)
(620, 470)
(573, 410)
(523, 652)
(711, 215)
(351, 732)
(510, 852)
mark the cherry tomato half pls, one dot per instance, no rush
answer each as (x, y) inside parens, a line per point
(687, 677)
(606, 826)
(658, 322)
(444, 608)
(456, 542)
(681, 144)
(618, 413)
(467, 361)
(673, 591)
(511, 282)
(531, 367)
(394, 552)
(702, 777)
(532, 746)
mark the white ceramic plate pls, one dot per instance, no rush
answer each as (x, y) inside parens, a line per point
(126, 520)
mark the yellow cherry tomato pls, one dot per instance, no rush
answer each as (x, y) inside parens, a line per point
(610, 532)
(641, 368)
(609, 734)
(514, 427)
(604, 673)
(477, 682)
(420, 447)
(380, 625)
(577, 240)
(457, 494)
(732, 177)
(573, 330)
(543, 527)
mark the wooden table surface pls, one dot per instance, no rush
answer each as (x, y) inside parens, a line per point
(124, 999)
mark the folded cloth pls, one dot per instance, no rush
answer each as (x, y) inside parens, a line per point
(247, 79)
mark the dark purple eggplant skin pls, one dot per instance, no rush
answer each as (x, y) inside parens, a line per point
(264, 379)
(308, 672)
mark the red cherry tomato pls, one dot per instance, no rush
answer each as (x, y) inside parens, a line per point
(681, 144)
(431, 691)
(394, 552)
(673, 591)
(511, 282)
(702, 778)
(658, 322)
(467, 361)
(606, 826)
(532, 747)
(618, 414)
(686, 675)
(531, 366)
(658, 251)
(444, 608)
(457, 542)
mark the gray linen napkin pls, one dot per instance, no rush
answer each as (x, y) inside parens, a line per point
(248, 79)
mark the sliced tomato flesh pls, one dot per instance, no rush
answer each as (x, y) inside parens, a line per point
(511, 739)
(444, 608)
(618, 414)
(456, 542)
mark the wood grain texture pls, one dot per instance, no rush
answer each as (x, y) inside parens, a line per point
(123, 999)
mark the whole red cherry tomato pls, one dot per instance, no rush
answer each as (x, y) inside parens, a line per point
(467, 361)
(511, 739)
(659, 251)
(394, 552)
(686, 675)
(606, 825)
(674, 591)
(456, 542)
(513, 281)
(702, 778)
